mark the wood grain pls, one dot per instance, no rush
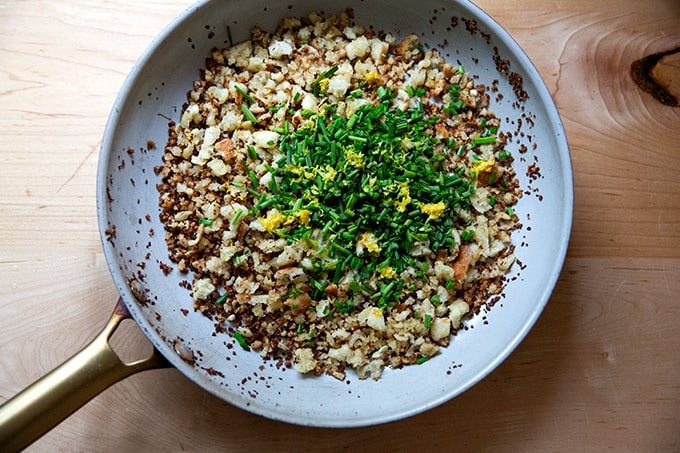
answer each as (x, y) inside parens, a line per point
(599, 371)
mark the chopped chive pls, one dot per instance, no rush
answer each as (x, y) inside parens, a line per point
(248, 114)
(324, 75)
(244, 95)
(491, 139)
(253, 179)
(421, 360)
(237, 216)
(220, 300)
(204, 221)
(238, 336)
(505, 154)
(368, 173)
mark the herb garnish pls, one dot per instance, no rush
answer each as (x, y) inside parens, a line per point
(375, 186)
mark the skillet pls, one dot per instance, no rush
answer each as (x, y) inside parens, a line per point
(137, 255)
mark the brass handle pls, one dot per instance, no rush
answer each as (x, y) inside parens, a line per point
(52, 398)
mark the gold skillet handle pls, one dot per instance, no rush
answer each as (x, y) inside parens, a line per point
(52, 398)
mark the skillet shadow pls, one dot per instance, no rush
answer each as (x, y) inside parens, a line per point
(512, 399)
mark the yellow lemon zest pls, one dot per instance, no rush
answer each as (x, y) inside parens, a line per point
(303, 216)
(433, 210)
(482, 166)
(372, 76)
(329, 173)
(295, 169)
(387, 272)
(354, 158)
(404, 197)
(323, 85)
(273, 221)
(370, 242)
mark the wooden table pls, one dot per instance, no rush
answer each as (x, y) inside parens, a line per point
(600, 370)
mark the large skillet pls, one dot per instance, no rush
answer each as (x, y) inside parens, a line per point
(135, 249)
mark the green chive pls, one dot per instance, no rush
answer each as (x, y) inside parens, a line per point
(253, 178)
(467, 235)
(244, 95)
(236, 216)
(324, 75)
(503, 155)
(241, 340)
(483, 140)
(248, 114)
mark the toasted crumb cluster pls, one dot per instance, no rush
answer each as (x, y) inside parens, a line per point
(329, 263)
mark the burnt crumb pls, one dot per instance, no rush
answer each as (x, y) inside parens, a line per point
(150, 144)
(110, 233)
(486, 36)
(185, 284)
(502, 65)
(516, 82)
(470, 25)
(533, 172)
(165, 268)
(213, 372)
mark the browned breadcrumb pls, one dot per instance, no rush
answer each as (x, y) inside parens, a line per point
(252, 282)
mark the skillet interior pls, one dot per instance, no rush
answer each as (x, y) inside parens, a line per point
(133, 237)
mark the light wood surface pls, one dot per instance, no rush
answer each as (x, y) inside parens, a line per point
(601, 368)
